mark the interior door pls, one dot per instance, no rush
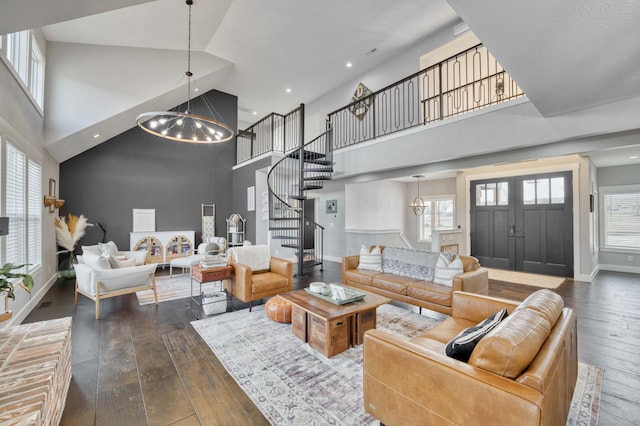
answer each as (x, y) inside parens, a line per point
(524, 223)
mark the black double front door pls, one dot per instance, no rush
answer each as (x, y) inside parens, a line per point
(524, 223)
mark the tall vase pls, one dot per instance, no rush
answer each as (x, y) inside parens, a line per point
(65, 268)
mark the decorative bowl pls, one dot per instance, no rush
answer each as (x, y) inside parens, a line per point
(316, 287)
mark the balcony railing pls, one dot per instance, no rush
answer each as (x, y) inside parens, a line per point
(273, 133)
(465, 82)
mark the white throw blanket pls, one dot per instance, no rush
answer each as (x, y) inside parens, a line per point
(256, 257)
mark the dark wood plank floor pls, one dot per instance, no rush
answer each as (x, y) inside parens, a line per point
(143, 365)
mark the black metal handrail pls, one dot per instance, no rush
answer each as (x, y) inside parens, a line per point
(465, 82)
(272, 133)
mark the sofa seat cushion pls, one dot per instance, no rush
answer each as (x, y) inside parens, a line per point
(267, 281)
(511, 346)
(361, 276)
(393, 283)
(447, 329)
(430, 292)
(427, 343)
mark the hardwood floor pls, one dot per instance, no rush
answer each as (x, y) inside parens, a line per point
(143, 365)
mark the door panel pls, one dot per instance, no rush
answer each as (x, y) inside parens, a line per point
(533, 232)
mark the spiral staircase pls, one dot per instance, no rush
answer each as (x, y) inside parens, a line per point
(302, 169)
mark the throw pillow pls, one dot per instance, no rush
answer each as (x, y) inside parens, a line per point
(461, 346)
(126, 263)
(445, 270)
(371, 261)
(96, 261)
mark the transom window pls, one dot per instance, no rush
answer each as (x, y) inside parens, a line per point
(492, 194)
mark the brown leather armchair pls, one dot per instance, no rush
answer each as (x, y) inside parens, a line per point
(248, 285)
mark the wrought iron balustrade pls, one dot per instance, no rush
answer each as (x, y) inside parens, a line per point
(468, 81)
(273, 133)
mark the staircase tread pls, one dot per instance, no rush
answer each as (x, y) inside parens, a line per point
(283, 228)
(312, 178)
(307, 155)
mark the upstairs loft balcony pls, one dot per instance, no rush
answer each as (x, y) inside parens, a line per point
(468, 81)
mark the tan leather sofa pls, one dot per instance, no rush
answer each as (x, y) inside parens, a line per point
(425, 294)
(248, 285)
(522, 373)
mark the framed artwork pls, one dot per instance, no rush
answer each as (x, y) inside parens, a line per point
(332, 206)
(144, 220)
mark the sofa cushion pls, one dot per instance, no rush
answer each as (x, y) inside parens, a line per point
(413, 263)
(360, 276)
(546, 302)
(448, 328)
(461, 346)
(430, 292)
(446, 269)
(96, 261)
(267, 282)
(393, 283)
(371, 261)
(511, 346)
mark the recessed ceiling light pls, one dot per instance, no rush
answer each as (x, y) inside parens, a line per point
(633, 156)
(96, 136)
(349, 64)
(196, 89)
(288, 89)
(255, 112)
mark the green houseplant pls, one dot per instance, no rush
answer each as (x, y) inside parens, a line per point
(8, 279)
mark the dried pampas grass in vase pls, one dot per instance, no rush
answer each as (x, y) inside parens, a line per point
(68, 233)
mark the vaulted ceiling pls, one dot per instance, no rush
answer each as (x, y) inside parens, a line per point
(109, 61)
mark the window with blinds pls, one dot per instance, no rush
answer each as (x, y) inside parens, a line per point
(621, 218)
(438, 214)
(23, 206)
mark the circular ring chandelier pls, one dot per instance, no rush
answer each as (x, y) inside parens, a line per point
(185, 126)
(418, 205)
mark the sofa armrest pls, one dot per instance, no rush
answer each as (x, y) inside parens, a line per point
(406, 383)
(349, 262)
(241, 286)
(283, 267)
(476, 281)
(477, 307)
(83, 277)
(121, 278)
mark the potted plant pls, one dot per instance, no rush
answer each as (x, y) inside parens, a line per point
(8, 281)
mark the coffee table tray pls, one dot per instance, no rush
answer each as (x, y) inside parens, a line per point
(352, 296)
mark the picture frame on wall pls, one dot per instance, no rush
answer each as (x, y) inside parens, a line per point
(332, 207)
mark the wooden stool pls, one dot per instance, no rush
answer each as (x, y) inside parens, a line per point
(278, 309)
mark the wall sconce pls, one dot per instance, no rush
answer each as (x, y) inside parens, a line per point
(51, 200)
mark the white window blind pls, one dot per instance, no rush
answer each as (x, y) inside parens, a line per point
(621, 218)
(18, 52)
(34, 211)
(36, 80)
(16, 206)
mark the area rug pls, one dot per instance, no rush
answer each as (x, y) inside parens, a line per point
(178, 287)
(292, 384)
(534, 280)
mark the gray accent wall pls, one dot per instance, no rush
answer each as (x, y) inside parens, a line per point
(136, 170)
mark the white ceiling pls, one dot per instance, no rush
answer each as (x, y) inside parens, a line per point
(566, 56)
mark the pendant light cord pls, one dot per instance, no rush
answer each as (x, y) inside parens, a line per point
(189, 73)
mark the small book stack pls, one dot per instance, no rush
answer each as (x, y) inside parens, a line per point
(213, 262)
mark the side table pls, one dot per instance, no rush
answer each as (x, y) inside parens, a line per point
(202, 276)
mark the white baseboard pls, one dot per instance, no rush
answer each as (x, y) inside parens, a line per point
(588, 277)
(620, 268)
(35, 299)
(333, 259)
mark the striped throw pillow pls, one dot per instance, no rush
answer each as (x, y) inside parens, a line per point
(371, 261)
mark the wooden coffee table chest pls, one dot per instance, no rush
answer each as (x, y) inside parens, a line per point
(328, 328)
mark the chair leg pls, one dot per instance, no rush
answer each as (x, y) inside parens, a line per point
(98, 300)
(250, 305)
(76, 291)
(170, 270)
(155, 294)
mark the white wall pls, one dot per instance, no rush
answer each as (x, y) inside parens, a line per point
(22, 122)
(375, 206)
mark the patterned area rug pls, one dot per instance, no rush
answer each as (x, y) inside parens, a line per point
(292, 384)
(178, 287)
(534, 280)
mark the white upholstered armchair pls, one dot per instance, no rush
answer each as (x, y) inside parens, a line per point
(97, 279)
